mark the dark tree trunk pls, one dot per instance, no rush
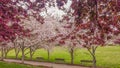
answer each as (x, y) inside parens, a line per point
(31, 53)
(5, 55)
(93, 55)
(72, 56)
(92, 52)
(94, 62)
(48, 54)
(23, 56)
(16, 55)
(6, 52)
(16, 51)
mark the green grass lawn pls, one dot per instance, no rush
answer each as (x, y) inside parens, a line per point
(14, 65)
(108, 56)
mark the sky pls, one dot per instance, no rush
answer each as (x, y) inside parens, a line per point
(55, 11)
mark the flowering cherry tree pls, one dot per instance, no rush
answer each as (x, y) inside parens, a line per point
(94, 23)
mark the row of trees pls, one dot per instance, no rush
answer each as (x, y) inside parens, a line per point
(83, 23)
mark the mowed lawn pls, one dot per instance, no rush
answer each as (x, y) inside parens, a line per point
(108, 56)
(14, 65)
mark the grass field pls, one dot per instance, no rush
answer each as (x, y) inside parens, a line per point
(108, 56)
(14, 65)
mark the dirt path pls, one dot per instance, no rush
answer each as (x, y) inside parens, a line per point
(44, 64)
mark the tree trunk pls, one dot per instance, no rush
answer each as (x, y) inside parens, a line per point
(48, 54)
(94, 61)
(16, 55)
(23, 56)
(72, 56)
(93, 56)
(2, 53)
(5, 55)
(92, 52)
(16, 51)
(31, 53)
(6, 52)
